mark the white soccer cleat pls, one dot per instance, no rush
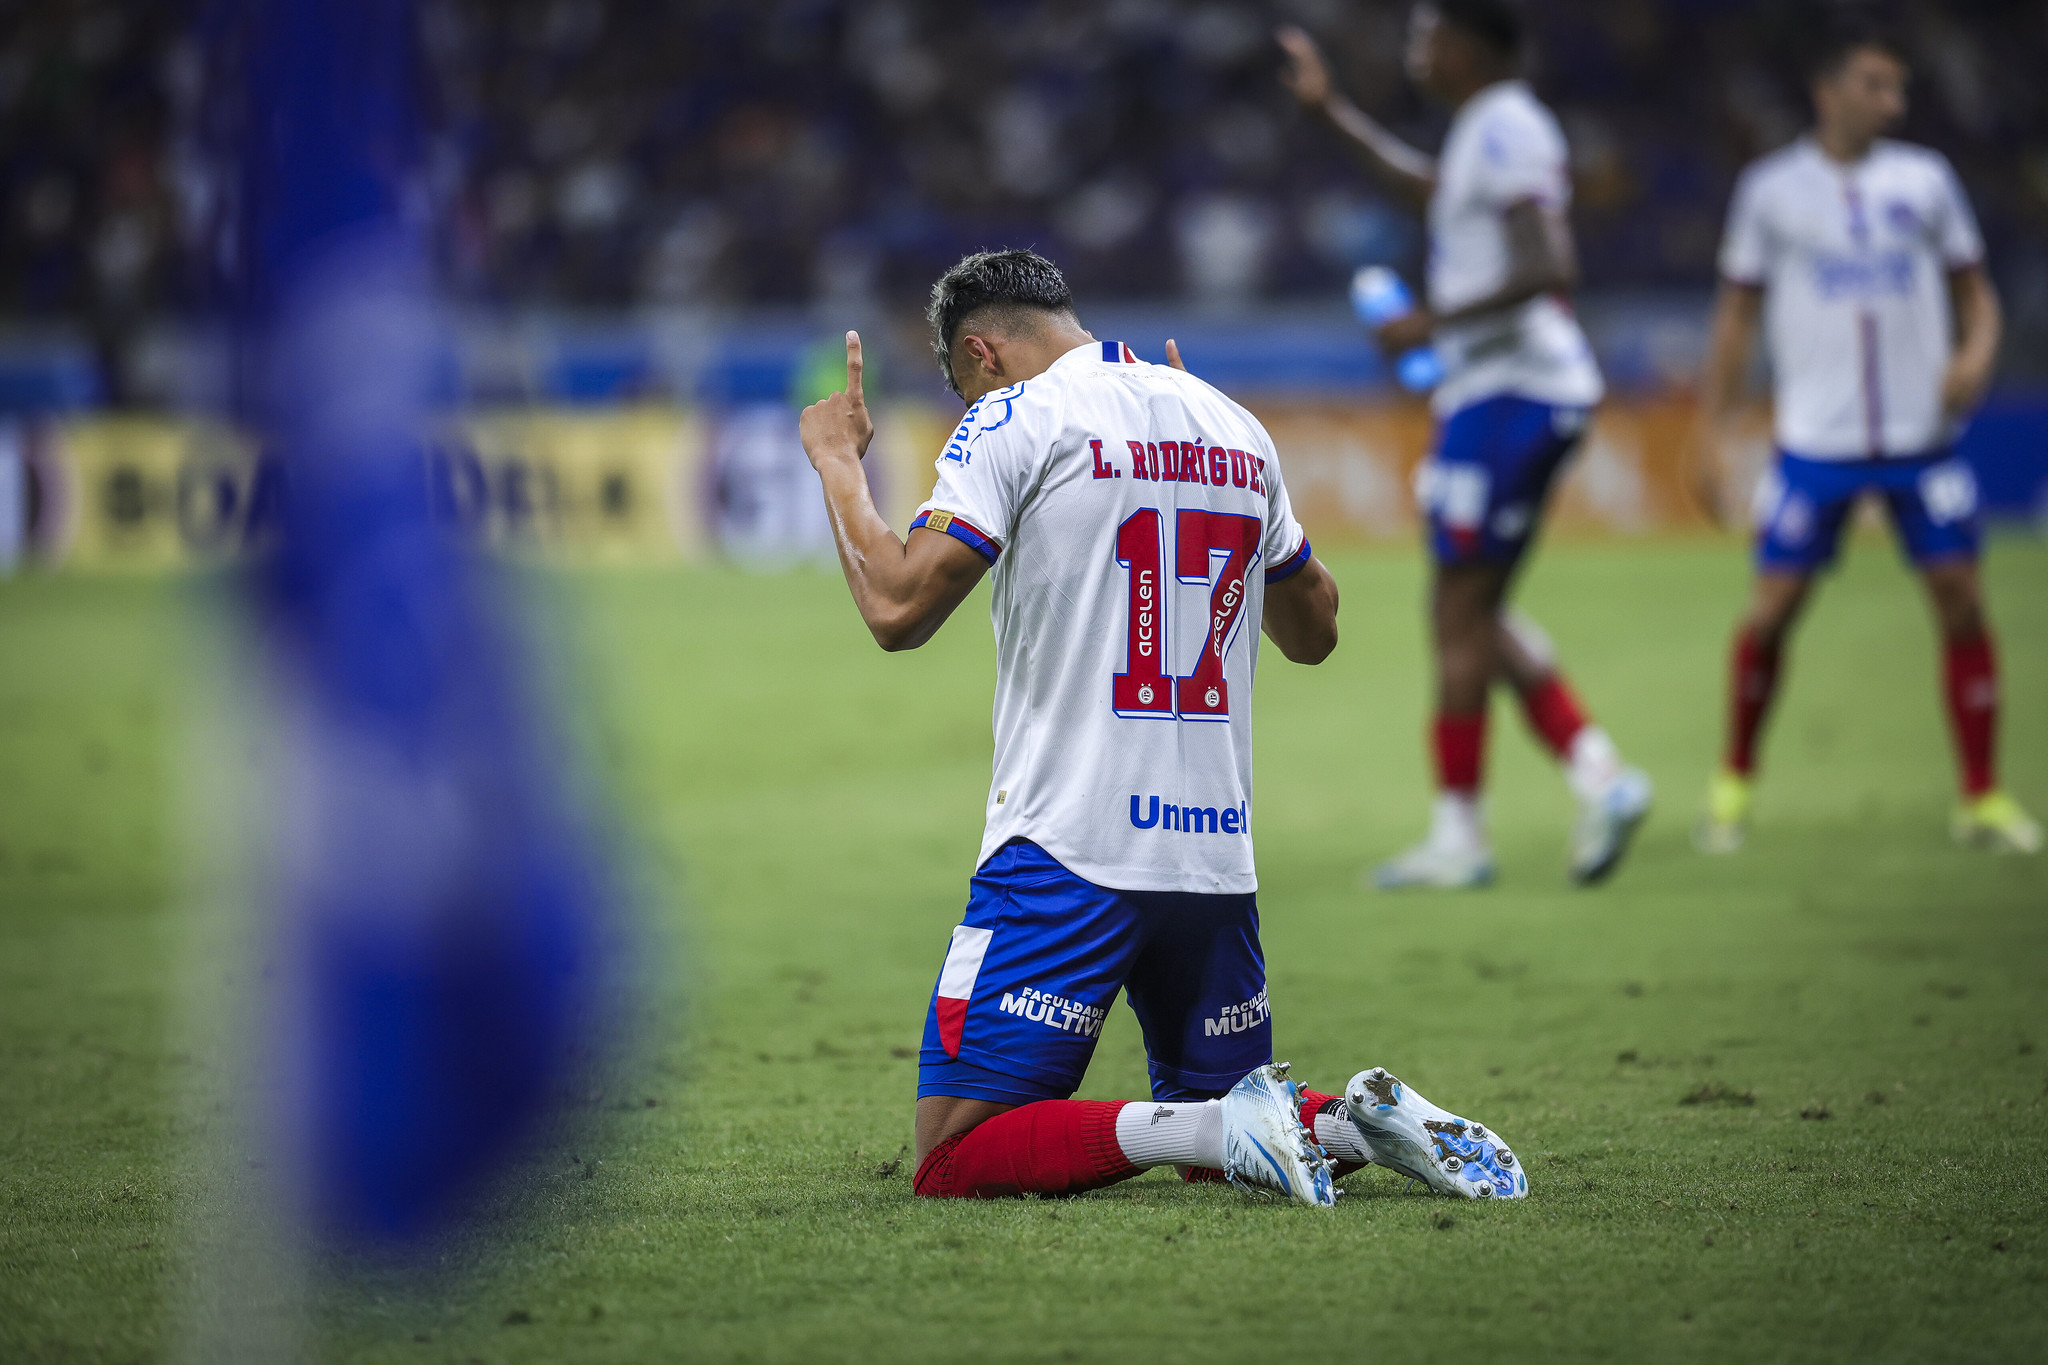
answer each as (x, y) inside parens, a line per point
(1410, 1135)
(1266, 1148)
(1445, 864)
(1997, 822)
(1607, 821)
(1454, 855)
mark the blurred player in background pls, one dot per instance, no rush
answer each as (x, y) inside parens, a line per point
(1140, 539)
(1863, 259)
(1519, 389)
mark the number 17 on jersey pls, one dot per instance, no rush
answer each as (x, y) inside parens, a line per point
(1201, 539)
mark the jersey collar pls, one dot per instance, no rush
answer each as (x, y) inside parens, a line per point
(1099, 353)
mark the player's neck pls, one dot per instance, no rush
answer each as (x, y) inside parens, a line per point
(1841, 146)
(1026, 357)
(1459, 90)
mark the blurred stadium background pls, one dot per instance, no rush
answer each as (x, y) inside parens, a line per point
(657, 218)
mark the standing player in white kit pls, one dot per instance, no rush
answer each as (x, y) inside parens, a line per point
(1140, 538)
(1862, 258)
(1519, 389)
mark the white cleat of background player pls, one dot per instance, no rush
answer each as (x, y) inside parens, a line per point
(1455, 854)
(1613, 799)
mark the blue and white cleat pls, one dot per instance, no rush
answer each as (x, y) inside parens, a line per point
(1607, 821)
(1265, 1147)
(1453, 855)
(1442, 866)
(1409, 1134)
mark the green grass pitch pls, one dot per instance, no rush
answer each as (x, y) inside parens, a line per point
(1869, 1002)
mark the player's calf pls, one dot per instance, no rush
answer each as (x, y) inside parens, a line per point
(1254, 1136)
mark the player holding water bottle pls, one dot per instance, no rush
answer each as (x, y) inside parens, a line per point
(1518, 387)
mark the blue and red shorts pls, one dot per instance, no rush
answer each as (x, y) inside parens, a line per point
(1037, 962)
(1484, 487)
(1801, 505)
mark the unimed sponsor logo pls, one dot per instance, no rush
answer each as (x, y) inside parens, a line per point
(1190, 819)
(1055, 1011)
(1238, 1018)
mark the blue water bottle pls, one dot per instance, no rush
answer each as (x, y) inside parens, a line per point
(1378, 297)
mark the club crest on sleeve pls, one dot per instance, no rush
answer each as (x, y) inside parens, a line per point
(990, 412)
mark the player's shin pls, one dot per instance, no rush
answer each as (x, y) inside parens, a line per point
(1460, 745)
(1971, 674)
(1066, 1146)
(1554, 714)
(1753, 682)
(1050, 1147)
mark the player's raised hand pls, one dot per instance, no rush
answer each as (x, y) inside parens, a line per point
(1173, 356)
(1306, 75)
(838, 424)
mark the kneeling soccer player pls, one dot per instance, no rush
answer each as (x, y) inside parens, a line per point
(1141, 538)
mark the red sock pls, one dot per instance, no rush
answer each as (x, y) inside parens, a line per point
(1314, 1102)
(1051, 1147)
(1460, 752)
(1972, 670)
(1554, 713)
(1753, 682)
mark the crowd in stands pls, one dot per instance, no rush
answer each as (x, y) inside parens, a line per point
(614, 153)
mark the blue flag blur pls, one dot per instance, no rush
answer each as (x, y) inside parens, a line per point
(439, 905)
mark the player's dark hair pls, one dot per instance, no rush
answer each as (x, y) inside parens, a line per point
(1497, 24)
(1846, 34)
(1002, 282)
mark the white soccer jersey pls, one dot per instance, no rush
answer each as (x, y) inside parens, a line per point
(1504, 147)
(1853, 261)
(1134, 516)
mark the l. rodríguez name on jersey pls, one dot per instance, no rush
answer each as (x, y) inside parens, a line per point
(1186, 462)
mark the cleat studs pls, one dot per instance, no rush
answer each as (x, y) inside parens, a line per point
(1478, 1131)
(1507, 1158)
(1452, 1164)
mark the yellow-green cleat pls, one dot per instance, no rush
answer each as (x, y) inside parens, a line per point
(1997, 822)
(1726, 820)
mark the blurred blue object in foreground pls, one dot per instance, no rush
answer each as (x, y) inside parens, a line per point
(440, 906)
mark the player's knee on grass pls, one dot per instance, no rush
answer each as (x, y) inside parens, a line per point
(942, 1118)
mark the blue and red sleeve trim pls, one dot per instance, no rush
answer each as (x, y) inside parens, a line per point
(1280, 573)
(962, 530)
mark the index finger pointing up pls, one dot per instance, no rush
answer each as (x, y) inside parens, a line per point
(853, 365)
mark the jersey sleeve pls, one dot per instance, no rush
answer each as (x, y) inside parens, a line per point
(1522, 155)
(1285, 551)
(1955, 228)
(989, 462)
(1745, 245)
